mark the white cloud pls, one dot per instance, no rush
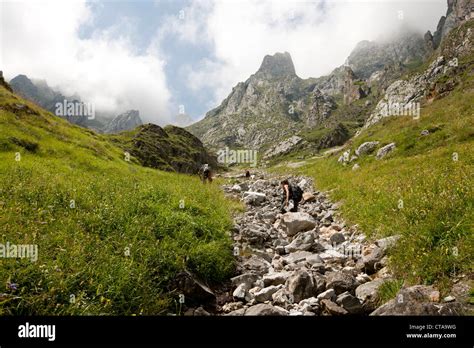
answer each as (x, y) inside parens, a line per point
(40, 39)
(318, 34)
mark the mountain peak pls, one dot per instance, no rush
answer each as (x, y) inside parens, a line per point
(126, 121)
(21, 80)
(278, 65)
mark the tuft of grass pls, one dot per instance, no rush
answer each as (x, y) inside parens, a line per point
(388, 290)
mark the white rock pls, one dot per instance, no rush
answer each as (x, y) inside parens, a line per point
(236, 188)
(265, 294)
(383, 151)
(327, 295)
(297, 222)
(240, 292)
(275, 278)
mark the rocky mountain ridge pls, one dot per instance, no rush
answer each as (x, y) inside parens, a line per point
(275, 95)
(39, 92)
(126, 121)
(274, 104)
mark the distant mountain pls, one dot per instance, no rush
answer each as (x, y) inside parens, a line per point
(274, 104)
(182, 120)
(407, 48)
(270, 105)
(43, 96)
(126, 121)
(39, 92)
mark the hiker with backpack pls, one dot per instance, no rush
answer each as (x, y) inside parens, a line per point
(290, 193)
(206, 174)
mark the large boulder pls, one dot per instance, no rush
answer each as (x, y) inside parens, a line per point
(275, 278)
(340, 282)
(194, 291)
(282, 298)
(254, 236)
(415, 300)
(301, 285)
(265, 294)
(254, 198)
(369, 263)
(265, 309)
(345, 157)
(332, 308)
(297, 222)
(367, 293)
(308, 197)
(236, 188)
(350, 303)
(296, 257)
(329, 294)
(337, 238)
(383, 151)
(302, 242)
(241, 293)
(255, 264)
(247, 278)
(366, 148)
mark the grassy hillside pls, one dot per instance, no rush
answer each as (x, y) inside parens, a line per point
(436, 213)
(170, 148)
(110, 233)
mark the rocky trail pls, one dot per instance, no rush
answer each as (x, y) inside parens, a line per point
(309, 262)
(304, 263)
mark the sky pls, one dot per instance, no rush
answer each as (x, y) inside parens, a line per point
(164, 57)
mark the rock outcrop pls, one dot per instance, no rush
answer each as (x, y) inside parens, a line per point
(284, 147)
(271, 105)
(170, 148)
(123, 122)
(458, 12)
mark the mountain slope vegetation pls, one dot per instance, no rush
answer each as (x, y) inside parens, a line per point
(111, 234)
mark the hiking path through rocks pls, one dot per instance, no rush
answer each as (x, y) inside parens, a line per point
(303, 263)
(308, 262)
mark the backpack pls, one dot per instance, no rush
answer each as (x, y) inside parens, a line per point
(297, 193)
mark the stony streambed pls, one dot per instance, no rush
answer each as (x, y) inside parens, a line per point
(304, 263)
(307, 263)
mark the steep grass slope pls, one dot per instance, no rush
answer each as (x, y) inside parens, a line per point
(110, 233)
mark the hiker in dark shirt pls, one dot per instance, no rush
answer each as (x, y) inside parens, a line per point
(290, 192)
(206, 174)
